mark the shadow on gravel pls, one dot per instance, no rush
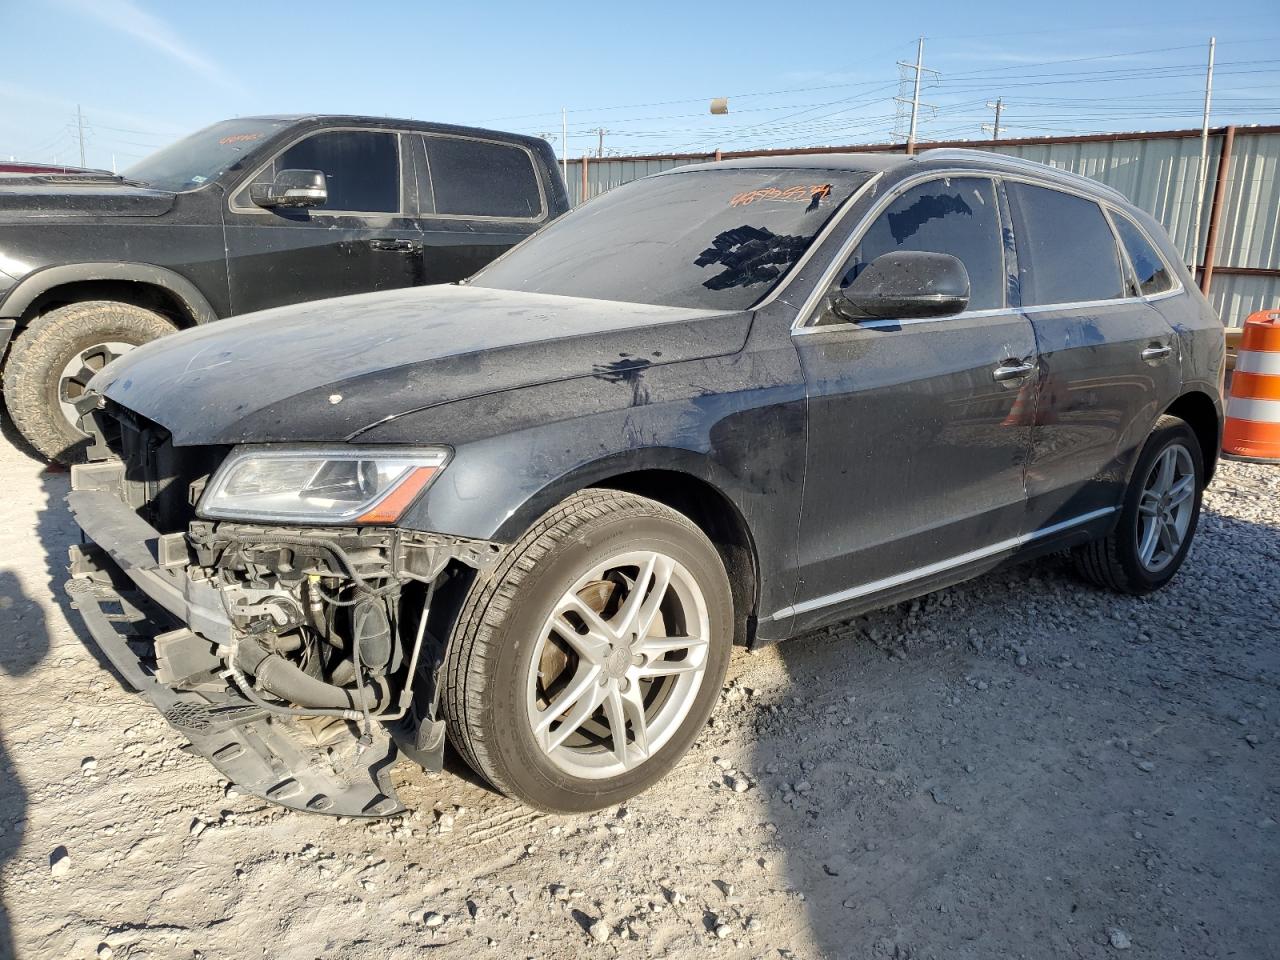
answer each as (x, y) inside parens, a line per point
(24, 642)
(984, 771)
(17, 441)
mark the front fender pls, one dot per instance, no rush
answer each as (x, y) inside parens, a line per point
(26, 291)
(736, 423)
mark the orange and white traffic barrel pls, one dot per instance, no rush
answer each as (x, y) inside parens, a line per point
(1253, 412)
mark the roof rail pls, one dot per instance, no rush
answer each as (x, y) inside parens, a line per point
(956, 154)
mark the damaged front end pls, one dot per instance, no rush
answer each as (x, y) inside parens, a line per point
(299, 660)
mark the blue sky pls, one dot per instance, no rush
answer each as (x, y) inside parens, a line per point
(146, 72)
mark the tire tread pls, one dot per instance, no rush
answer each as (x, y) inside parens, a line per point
(26, 370)
(1099, 561)
(491, 599)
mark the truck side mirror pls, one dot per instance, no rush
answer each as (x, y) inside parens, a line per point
(292, 188)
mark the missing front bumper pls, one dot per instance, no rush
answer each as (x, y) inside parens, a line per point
(132, 588)
(253, 749)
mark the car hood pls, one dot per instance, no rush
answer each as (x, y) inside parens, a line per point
(326, 370)
(48, 196)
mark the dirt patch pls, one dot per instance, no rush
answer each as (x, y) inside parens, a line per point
(1019, 766)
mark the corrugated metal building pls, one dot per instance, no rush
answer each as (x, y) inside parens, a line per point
(1157, 171)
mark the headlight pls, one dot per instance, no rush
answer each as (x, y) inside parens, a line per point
(320, 485)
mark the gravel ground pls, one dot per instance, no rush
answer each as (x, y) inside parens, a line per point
(1022, 766)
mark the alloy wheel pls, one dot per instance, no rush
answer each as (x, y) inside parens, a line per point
(1165, 507)
(618, 665)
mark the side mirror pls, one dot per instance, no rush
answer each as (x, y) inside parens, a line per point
(292, 188)
(907, 285)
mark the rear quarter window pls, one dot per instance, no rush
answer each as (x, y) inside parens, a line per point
(1149, 267)
(1066, 250)
(479, 178)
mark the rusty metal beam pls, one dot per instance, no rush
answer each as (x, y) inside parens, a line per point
(1002, 142)
(1215, 209)
(583, 198)
(1270, 272)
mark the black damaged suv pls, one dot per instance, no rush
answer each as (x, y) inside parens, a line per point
(731, 402)
(246, 214)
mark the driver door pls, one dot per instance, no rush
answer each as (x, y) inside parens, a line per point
(365, 237)
(918, 434)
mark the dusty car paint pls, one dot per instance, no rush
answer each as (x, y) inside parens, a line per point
(229, 258)
(864, 462)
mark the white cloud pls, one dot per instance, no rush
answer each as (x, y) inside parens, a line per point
(128, 18)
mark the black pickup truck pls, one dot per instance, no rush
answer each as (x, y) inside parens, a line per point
(246, 214)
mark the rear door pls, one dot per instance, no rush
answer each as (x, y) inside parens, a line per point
(366, 237)
(479, 198)
(916, 453)
(1108, 363)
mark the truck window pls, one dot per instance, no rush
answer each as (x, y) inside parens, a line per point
(362, 167)
(478, 178)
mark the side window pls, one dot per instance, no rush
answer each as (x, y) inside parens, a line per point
(475, 178)
(362, 167)
(1066, 250)
(955, 215)
(1149, 267)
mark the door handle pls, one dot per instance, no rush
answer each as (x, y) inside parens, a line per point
(1012, 371)
(395, 245)
(1156, 352)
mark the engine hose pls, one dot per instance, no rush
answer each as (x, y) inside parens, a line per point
(361, 583)
(247, 690)
(280, 677)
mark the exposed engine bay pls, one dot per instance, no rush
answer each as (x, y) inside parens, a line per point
(299, 660)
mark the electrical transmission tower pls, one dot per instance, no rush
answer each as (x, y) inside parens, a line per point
(910, 76)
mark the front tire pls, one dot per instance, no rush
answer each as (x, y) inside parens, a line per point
(54, 359)
(586, 665)
(1158, 519)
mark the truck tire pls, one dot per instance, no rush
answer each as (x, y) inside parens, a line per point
(1158, 518)
(564, 686)
(53, 359)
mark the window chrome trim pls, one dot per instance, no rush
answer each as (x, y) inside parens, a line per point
(850, 326)
(818, 241)
(1106, 206)
(941, 566)
(803, 322)
(828, 277)
(1009, 164)
(1113, 211)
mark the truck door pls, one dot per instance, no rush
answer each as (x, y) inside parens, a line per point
(366, 237)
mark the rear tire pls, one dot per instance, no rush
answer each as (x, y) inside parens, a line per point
(53, 358)
(553, 619)
(1157, 520)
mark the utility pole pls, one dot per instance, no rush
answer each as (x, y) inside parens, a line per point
(564, 144)
(919, 68)
(1203, 175)
(600, 132)
(80, 131)
(995, 128)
